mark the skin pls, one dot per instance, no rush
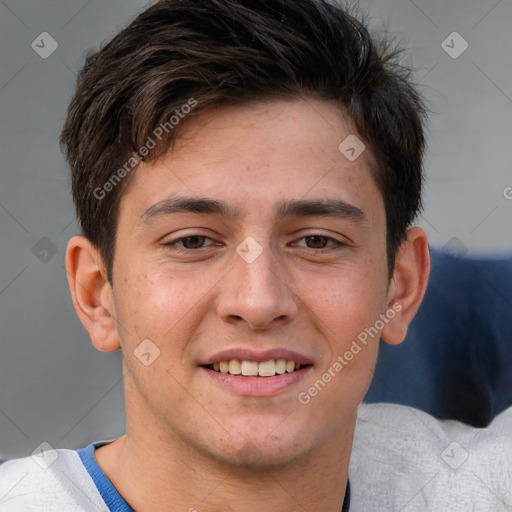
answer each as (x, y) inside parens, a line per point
(190, 442)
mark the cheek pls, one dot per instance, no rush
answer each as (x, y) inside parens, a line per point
(344, 309)
(167, 307)
(344, 312)
(348, 301)
(152, 305)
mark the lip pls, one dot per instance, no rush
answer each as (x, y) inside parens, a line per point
(257, 386)
(249, 354)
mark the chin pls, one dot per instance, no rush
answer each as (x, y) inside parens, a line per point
(261, 454)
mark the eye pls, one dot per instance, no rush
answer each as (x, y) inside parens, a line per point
(190, 242)
(319, 242)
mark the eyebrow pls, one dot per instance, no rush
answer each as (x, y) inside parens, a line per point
(299, 208)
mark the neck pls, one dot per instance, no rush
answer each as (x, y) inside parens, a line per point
(152, 475)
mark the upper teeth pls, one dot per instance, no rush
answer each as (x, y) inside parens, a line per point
(253, 368)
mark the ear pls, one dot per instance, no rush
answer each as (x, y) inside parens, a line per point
(408, 285)
(91, 293)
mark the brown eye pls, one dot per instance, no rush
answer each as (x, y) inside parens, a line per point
(319, 242)
(190, 243)
(316, 241)
(193, 242)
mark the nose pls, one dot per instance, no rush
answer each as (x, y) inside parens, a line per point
(258, 293)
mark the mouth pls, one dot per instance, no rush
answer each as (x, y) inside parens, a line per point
(256, 369)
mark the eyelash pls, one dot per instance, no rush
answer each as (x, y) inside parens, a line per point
(174, 243)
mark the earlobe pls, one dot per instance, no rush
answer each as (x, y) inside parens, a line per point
(91, 293)
(408, 284)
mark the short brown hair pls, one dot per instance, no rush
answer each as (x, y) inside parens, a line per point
(215, 52)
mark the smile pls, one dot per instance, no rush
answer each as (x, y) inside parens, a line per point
(245, 368)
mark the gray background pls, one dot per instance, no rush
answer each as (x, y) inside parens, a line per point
(54, 386)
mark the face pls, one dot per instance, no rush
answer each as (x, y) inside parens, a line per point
(255, 240)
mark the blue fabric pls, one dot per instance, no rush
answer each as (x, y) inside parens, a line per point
(456, 362)
(108, 492)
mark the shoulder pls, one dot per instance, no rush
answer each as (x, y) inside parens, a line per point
(54, 482)
(403, 458)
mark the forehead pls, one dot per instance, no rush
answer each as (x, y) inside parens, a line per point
(258, 156)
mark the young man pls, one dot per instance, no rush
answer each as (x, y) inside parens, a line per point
(245, 174)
